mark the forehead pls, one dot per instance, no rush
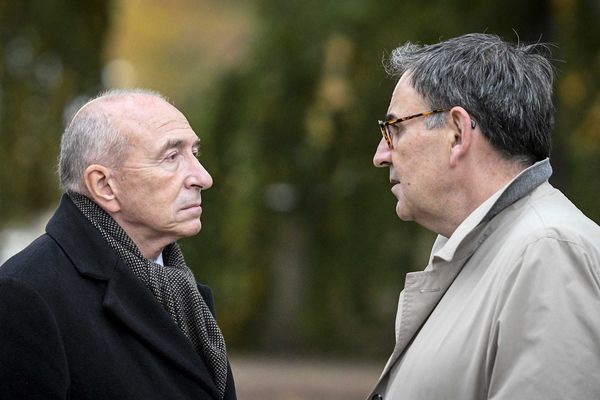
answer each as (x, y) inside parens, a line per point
(151, 120)
(405, 99)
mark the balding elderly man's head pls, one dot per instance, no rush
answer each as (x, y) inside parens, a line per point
(95, 134)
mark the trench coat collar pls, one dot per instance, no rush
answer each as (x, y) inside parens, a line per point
(126, 297)
(423, 290)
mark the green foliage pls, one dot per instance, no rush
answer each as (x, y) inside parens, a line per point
(49, 54)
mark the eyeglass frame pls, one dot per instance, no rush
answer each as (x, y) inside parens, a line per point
(387, 135)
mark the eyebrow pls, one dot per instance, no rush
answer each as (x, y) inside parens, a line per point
(390, 117)
(177, 143)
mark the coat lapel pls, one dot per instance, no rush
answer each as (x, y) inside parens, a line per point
(130, 302)
(126, 298)
(422, 292)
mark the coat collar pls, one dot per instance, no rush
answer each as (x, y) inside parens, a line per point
(126, 298)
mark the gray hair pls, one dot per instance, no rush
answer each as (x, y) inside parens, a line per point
(505, 87)
(93, 138)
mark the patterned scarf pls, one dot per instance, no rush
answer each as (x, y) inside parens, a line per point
(173, 285)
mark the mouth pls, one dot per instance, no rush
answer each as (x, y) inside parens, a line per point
(394, 182)
(194, 206)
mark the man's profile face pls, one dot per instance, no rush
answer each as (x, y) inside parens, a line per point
(416, 162)
(158, 186)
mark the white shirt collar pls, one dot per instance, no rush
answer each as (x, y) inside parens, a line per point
(159, 259)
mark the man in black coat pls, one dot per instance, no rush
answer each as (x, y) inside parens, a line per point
(103, 305)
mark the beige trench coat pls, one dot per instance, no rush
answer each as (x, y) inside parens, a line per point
(506, 309)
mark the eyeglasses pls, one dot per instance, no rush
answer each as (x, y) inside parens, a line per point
(384, 125)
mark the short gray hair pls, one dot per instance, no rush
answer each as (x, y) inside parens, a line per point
(505, 87)
(93, 138)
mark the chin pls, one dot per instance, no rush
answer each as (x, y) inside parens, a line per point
(190, 229)
(403, 214)
(404, 217)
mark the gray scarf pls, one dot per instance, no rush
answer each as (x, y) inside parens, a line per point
(173, 285)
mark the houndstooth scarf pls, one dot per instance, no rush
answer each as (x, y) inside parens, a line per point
(173, 286)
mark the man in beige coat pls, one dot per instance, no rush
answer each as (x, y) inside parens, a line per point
(509, 305)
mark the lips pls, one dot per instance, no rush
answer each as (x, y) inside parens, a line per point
(193, 207)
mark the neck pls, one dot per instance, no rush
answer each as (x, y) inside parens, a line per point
(149, 253)
(149, 249)
(149, 246)
(479, 183)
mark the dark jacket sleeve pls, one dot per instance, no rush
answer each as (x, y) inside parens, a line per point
(32, 359)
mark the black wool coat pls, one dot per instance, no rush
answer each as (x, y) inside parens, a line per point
(75, 323)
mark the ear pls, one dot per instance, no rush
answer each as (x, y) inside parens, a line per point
(463, 129)
(100, 186)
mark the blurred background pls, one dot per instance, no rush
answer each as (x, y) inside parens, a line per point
(300, 239)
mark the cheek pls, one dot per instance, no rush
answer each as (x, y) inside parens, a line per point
(139, 192)
(401, 163)
(145, 192)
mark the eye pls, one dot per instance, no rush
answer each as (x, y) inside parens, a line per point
(172, 156)
(196, 153)
(394, 129)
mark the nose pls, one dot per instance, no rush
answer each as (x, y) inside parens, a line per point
(382, 157)
(198, 176)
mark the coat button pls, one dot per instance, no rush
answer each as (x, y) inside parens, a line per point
(377, 397)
